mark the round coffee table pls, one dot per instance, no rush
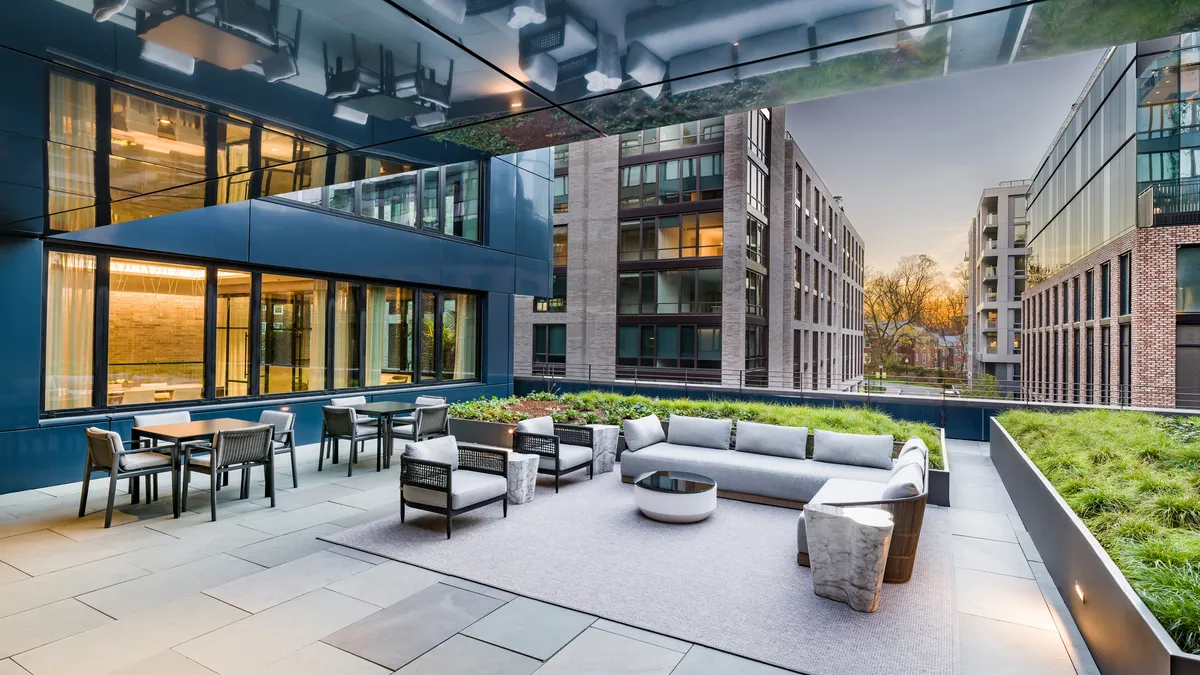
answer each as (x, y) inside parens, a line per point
(675, 496)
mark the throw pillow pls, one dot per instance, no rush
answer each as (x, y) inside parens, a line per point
(443, 450)
(771, 439)
(916, 459)
(642, 432)
(905, 483)
(699, 432)
(854, 449)
(537, 425)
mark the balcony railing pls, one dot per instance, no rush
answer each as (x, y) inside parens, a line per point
(1162, 203)
(989, 271)
(669, 308)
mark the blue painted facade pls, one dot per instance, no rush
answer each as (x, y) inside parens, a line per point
(273, 235)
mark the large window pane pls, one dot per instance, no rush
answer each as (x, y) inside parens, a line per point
(460, 336)
(1187, 275)
(710, 291)
(461, 201)
(290, 163)
(70, 312)
(345, 336)
(628, 285)
(560, 245)
(390, 335)
(71, 160)
(429, 199)
(233, 162)
(158, 133)
(390, 198)
(293, 334)
(233, 333)
(155, 332)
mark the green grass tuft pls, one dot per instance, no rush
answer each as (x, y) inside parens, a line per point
(1134, 480)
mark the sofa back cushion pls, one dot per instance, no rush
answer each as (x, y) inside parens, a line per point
(914, 444)
(642, 432)
(913, 458)
(537, 425)
(907, 482)
(443, 449)
(699, 432)
(771, 439)
(855, 449)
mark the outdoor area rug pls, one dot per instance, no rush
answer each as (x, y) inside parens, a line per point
(730, 582)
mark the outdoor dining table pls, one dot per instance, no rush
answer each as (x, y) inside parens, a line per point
(385, 411)
(185, 432)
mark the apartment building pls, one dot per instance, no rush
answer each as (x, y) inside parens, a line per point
(708, 251)
(1112, 316)
(996, 257)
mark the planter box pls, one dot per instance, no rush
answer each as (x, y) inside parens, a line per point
(1121, 632)
(496, 434)
(939, 479)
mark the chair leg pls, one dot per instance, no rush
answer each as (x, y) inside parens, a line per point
(155, 487)
(555, 482)
(270, 469)
(112, 498)
(402, 508)
(292, 452)
(183, 489)
(505, 503)
(87, 481)
(212, 492)
(245, 480)
(320, 454)
(449, 521)
(353, 457)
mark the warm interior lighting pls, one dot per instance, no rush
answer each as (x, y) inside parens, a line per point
(163, 120)
(1079, 592)
(157, 270)
(515, 104)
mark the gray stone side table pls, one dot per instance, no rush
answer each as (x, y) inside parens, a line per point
(847, 551)
(522, 477)
(604, 452)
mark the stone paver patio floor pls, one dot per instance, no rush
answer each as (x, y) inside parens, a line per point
(257, 592)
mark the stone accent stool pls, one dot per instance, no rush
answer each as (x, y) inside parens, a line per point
(847, 551)
(522, 477)
(604, 452)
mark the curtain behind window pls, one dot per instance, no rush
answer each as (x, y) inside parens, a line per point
(70, 311)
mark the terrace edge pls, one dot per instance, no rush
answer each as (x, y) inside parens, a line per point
(1123, 635)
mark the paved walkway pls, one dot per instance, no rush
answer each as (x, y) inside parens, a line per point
(257, 593)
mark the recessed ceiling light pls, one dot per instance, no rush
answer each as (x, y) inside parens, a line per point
(163, 120)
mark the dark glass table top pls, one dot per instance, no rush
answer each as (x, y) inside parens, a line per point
(677, 482)
(384, 407)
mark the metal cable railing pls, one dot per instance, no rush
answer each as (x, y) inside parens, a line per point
(867, 385)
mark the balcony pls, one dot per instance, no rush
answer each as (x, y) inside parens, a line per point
(990, 224)
(1172, 202)
(989, 249)
(989, 273)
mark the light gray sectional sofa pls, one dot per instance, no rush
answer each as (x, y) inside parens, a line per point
(783, 466)
(768, 464)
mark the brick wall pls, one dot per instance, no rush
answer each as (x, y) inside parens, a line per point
(162, 327)
(1154, 278)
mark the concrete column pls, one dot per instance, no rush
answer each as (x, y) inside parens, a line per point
(733, 270)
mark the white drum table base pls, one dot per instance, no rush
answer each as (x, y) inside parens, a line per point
(522, 477)
(847, 552)
(675, 507)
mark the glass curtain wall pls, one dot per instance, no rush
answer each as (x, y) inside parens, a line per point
(155, 332)
(156, 146)
(70, 327)
(71, 154)
(460, 337)
(233, 333)
(292, 357)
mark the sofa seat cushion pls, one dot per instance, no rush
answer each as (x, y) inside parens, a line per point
(467, 488)
(569, 456)
(839, 491)
(747, 473)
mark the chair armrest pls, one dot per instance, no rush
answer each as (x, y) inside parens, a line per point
(424, 474)
(535, 444)
(572, 434)
(483, 460)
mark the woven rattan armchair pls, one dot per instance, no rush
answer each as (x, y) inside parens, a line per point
(481, 478)
(234, 450)
(120, 459)
(567, 450)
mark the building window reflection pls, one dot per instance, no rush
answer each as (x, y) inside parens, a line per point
(232, 376)
(293, 334)
(460, 336)
(345, 335)
(391, 335)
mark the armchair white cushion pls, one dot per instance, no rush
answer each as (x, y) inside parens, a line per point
(568, 455)
(443, 449)
(466, 488)
(543, 426)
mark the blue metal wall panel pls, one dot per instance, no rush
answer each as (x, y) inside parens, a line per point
(22, 163)
(312, 240)
(502, 205)
(535, 222)
(23, 107)
(21, 336)
(497, 336)
(21, 208)
(476, 268)
(221, 232)
(532, 276)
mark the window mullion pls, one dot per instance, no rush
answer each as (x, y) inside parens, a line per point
(255, 330)
(100, 335)
(209, 381)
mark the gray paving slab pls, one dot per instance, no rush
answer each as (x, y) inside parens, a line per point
(644, 635)
(982, 524)
(704, 661)
(530, 627)
(986, 555)
(991, 647)
(598, 652)
(462, 655)
(425, 619)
